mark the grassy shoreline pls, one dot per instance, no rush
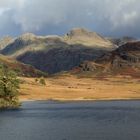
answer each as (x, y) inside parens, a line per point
(83, 100)
(70, 88)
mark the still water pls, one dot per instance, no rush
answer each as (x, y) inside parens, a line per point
(113, 120)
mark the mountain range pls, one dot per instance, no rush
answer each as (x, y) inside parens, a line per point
(78, 49)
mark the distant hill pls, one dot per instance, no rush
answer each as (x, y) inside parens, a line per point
(53, 54)
(121, 41)
(20, 68)
(125, 61)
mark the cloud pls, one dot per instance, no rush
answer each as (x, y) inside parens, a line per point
(108, 17)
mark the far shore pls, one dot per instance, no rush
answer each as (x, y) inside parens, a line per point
(82, 100)
(70, 88)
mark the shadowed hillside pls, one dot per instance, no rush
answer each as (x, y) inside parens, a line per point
(59, 59)
(20, 68)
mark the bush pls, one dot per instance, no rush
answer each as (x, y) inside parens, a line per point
(42, 81)
(36, 80)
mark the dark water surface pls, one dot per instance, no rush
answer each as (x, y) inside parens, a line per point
(113, 120)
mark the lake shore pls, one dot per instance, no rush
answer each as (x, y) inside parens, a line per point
(81, 100)
(71, 88)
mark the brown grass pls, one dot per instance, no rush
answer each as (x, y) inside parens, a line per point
(72, 88)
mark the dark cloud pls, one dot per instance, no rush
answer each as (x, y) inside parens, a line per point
(108, 17)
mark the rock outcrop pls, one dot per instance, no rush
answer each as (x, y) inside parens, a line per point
(124, 60)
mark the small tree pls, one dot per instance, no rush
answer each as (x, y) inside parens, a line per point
(36, 80)
(42, 81)
(9, 85)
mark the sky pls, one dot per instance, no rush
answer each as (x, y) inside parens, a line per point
(115, 18)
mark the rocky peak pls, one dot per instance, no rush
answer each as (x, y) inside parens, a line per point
(87, 38)
(81, 32)
(27, 36)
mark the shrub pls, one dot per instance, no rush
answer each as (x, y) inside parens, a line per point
(36, 80)
(42, 81)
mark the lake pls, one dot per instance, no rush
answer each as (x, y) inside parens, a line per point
(40, 120)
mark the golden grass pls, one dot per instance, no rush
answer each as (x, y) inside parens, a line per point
(69, 88)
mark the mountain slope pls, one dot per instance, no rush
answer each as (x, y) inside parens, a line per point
(58, 53)
(125, 60)
(5, 41)
(59, 59)
(20, 68)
